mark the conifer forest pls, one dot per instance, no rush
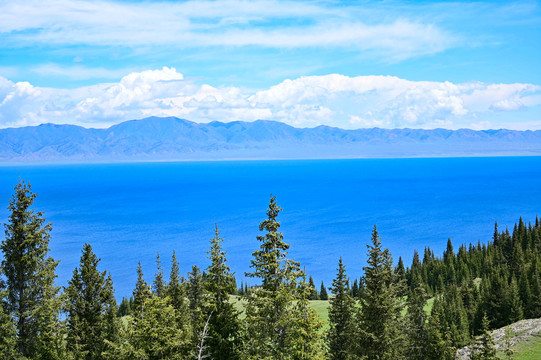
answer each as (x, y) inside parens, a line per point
(428, 310)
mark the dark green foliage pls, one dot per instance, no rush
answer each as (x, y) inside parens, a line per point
(91, 309)
(512, 303)
(483, 347)
(454, 318)
(156, 330)
(439, 344)
(195, 301)
(341, 334)
(7, 329)
(176, 290)
(141, 293)
(125, 307)
(32, 299)
(535, 289)
(159, 282)
(156, 333)
(355, 289)
(323, 292)
(278, 323)
(470, 297)
(313, 292)
(380, 331)
(223, 326)
(506, 271)
(233, 285)
(416, 323)
(400, 274)
(240, 290)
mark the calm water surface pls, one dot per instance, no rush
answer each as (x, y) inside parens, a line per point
(129, 212)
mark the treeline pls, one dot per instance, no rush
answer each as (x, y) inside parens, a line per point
(499, 280)
(380, 316)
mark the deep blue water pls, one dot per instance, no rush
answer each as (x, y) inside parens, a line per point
(129, 212)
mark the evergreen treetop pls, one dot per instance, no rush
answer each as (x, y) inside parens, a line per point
(32, 297)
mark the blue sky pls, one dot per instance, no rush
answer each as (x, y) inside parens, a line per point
(350, 64)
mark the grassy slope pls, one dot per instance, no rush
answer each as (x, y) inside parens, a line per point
(321, 307)
(529, 349)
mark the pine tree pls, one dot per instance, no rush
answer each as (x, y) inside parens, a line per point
(508, 346)
(156, 330)
(32, 298)
(400, 272)
(157, 334)
(307, 341)
(341, 333)
(7, 328)
(176, 289)
(313, 292)
(223, 323)
(455, 317)
(323, 292)
(91, 308)
(279, 324)
(195, 301)
(141, 294)
(159, 283)
(124, 308)
(535, 286)
(439, 343)
(416, 319)
(512, 303)
(483, 348)
(355, 289)
(379, 316)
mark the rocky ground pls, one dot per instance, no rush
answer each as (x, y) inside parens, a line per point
(520, 331)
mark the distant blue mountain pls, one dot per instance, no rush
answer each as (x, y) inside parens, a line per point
(177, 139)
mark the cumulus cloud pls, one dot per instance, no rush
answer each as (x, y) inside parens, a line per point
(191, 24)
(335, 100)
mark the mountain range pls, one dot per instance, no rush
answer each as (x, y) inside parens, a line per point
(163, 139)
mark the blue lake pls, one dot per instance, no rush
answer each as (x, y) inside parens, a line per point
(129, 212)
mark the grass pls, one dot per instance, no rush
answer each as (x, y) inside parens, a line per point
(320, 306)
(529, 349)
(322, 309)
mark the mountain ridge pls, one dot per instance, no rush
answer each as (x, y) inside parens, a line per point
(171, 138)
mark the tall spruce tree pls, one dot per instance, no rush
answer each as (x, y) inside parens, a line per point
(176, 292)
(159, 282)
(141, 293)
(323, 292)
(278, 323)
(195, 296)
(439, 339)
(483, 347)
(7, 328)
(223, 325)
(341, 334)
(155, 330)
(508, 350)
(416, 322)
(380, 335)
(91, 309)
(313, 292)
(176, 289)
(156, 333)
(32, 297)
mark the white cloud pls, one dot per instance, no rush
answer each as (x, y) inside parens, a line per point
(335, 100)
(193, 24)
